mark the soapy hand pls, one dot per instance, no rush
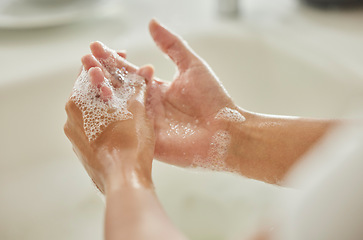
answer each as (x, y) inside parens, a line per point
(120, 148)
(189, 111)
(195, 122)
(191, 114)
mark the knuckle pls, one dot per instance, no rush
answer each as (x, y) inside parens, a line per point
(70, 106)
(66, 129)
(67, 106)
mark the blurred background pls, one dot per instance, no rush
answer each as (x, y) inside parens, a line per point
(285, 57)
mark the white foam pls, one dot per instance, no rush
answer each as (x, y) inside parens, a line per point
(181, 129)
(217, 153)
(229, 114)
(110, 62)
(220, 142)
(97, 113)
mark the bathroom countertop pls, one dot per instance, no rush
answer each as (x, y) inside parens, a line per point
(334, 34)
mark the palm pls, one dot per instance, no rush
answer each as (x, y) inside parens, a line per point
(184, 110)
(184, 114)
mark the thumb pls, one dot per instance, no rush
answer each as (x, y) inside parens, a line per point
(171, 44)
(136, 103)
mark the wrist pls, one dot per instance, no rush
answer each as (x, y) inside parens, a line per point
(130, 178)
(127, 180)
(125, 169)
(265, 147)
(242, 135)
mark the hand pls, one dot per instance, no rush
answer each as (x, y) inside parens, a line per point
(190, 132)
(125, 148)
(185, 109)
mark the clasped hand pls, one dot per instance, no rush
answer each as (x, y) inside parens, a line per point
(161, 112)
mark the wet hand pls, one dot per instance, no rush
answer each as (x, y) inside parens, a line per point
(124, 149)
(185, 110)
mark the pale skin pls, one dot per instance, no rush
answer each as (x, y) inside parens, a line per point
(119, 163)
(262, 147)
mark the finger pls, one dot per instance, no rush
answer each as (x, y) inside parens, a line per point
(97, 79)
(146, 72)
(104, 53)
(122, 53)
(106, 92)
(96, 76)
(136, 104)
(89, 61)
(172, 45)
(107, 59)
(99, 50)
(115, 65)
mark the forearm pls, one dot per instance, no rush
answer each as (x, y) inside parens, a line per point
(134, 212)
(264, 147)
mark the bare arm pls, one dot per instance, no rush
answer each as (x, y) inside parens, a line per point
(264, 147)
(119, 160)
(133, 210)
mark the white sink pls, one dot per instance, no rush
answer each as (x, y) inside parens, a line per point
(45, 193)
